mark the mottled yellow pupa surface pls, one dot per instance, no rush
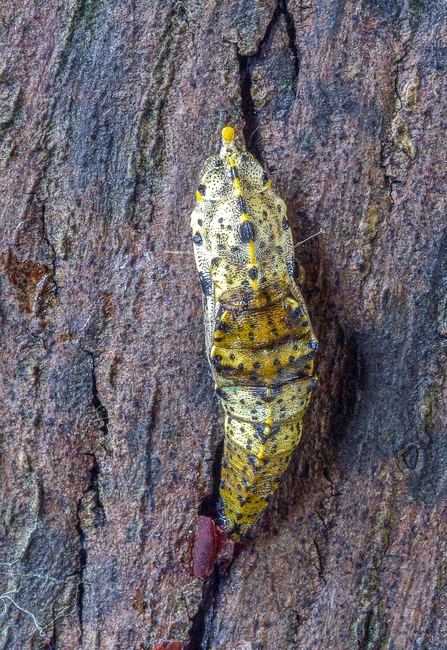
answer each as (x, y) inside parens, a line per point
(259, 337)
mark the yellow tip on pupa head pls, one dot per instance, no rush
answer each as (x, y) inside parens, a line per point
(227, 134)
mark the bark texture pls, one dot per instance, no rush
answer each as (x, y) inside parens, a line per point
(109, 427)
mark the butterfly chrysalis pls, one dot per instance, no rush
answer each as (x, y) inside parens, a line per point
(259, 338)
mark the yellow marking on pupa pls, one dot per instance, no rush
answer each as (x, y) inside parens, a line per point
(228, 134)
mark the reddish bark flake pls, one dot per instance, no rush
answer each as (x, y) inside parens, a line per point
(211, 545)
(205, 547)
(168, 645)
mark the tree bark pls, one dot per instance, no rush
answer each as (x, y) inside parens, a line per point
(110, 431)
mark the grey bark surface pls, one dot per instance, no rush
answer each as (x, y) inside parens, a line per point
(109, 426)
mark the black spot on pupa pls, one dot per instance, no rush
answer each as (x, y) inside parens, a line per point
(276, 362)
(298, 312)
(246, 232)
(241, 204)
(241, 366)
(260, 431)
(197, 239)
(215, 262)
(256, 365)
(200, 222)
(312, 384)
(218, 162)
(221, 393)
(253, 273)
(244, 158)
(201, 189)
(274, 429)
(280, 250)
(252, 460)
(237, 530)
(222, 327)
(278, 207)
(225, 463)
(233, 173)
(285, 224)
(265, 178)
(313, 344)
(222, 484)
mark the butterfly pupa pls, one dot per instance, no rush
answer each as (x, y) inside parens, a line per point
(259, 338)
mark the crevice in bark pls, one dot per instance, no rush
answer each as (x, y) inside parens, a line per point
(388, 145)
(52, 644)
(248, 62)
(96, 401)
(82, 565)
(249, 113)
(93, 486)
(49, 243)
(291, 33)
(147, 501)
(384, 165)
(210, 506)
(320, 561)
(371, 632)
(200, 630)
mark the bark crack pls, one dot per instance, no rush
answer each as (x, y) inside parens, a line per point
(248, 62)
(320, 561)
(201, 628)
(82, 566)
(388, 145)
(101, 410)
(82, 524)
